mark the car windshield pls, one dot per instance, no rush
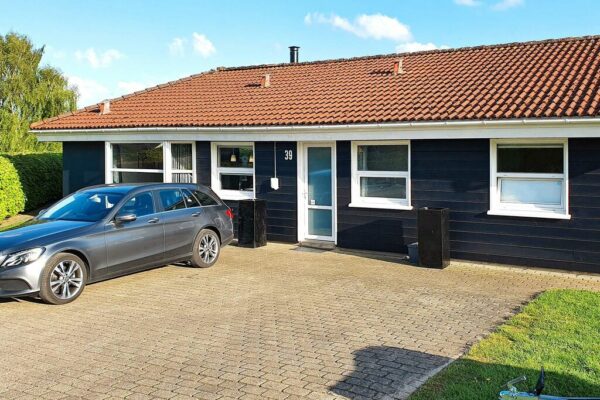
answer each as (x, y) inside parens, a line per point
(84, 206)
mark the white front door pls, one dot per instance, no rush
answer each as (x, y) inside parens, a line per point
(319, 191)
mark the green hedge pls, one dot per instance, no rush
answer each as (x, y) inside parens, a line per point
(29, 181)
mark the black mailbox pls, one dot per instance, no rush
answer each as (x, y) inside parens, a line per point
(433, 226)
(252, 223)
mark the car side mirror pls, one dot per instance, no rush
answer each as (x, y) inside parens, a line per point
(121, 219)
(43, 210)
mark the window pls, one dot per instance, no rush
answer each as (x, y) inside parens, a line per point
(529, 179)
(233, 170)
(83, 206)
(150, 162)
(205, 199)
(136, 162)
(182, 162)
(381, 174)
(140, 205)
(171, 199)
(189, 199)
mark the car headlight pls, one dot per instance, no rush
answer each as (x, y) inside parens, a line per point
(22, 257)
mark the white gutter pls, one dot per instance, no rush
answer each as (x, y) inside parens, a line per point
(522, 128)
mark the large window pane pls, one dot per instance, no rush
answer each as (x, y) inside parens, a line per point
(530, 191)
(237, 182)
(181, 154)
(543, 159)
(319, 176)
(319, 222)
(138, 155)
(383, 158)
(392, 188)
(236, 157)
(137, 177)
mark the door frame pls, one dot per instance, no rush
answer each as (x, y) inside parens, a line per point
(303, 190)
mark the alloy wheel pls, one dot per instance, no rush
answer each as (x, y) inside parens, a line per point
(208, 248)
(66, 279)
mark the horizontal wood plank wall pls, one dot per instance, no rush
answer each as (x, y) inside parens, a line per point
(455, 174)
(83, 165)
(282, 210)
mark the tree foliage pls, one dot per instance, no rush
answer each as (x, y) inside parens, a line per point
(29, 92)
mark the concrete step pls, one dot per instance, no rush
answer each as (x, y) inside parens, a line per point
(318, 244)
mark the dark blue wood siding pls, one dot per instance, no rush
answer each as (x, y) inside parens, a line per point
(83, 165)
(282, 210)
(455, 174)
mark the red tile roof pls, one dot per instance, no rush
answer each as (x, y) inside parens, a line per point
(545, 79)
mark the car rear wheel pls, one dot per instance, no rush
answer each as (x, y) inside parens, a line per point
(207, 248)
(63, 279)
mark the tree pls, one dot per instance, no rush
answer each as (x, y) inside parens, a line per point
(28, 93)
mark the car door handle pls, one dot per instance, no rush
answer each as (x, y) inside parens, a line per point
(196, 214)
(153, 220)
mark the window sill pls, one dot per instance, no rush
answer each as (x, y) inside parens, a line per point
(529, 214)
(381, 206)
(233, 196)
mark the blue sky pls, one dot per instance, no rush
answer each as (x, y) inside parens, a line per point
(112, 47)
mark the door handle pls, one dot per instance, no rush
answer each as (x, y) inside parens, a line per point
(153, 220)
(196, 214)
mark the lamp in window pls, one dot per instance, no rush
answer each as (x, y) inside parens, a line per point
(233, 158)
(251, 159)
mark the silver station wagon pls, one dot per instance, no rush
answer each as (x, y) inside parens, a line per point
(106, 231)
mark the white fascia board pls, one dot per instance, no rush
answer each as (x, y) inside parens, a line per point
(485, 129)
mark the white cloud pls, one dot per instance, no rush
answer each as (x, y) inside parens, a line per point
(468, 3)
(90, 91)
(376, 26)
(98, 60)
(202, 45)
(506, 4)
(177, 46)
(129, 87)
(410, 47)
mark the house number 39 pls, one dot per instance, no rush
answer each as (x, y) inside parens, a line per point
(289, 155)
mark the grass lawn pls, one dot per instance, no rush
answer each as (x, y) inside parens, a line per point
(559, 330)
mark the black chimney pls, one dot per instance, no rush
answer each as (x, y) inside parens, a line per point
(294, 54)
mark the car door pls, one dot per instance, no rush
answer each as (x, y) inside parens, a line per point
(179, 223)
(136, 244)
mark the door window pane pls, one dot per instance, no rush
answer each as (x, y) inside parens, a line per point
(319, 176)
(137, 177)
(171, 199)
(181, 154)
(539, 159)
(237, 182)
(236, 157)
(137, 155)
(319, 222)
(190, 200)
(392, 188)
(140, 205)
(529, 191)
(383, 158)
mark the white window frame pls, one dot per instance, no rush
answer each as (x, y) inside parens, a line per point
(528, 210)
(167, 170)
(378, 202)
(216, 171)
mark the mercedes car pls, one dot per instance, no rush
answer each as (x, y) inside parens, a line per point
(105, 231)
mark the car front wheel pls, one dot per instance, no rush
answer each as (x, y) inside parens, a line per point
(63, 279)
(207, 247)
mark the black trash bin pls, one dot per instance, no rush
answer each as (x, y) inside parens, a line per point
(252, 223)
(433, 225)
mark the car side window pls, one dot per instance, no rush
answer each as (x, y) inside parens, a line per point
(205, 199)
(171, 199)
(141, 204)
(190, 200)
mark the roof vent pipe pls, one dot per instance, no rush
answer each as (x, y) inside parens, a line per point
(294, 54)
(265, 80)
(398, 67)
(104, 107)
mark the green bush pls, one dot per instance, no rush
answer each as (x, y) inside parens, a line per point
(29, 181)
(12, 198)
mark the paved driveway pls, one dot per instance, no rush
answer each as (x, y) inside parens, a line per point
(273, 322)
